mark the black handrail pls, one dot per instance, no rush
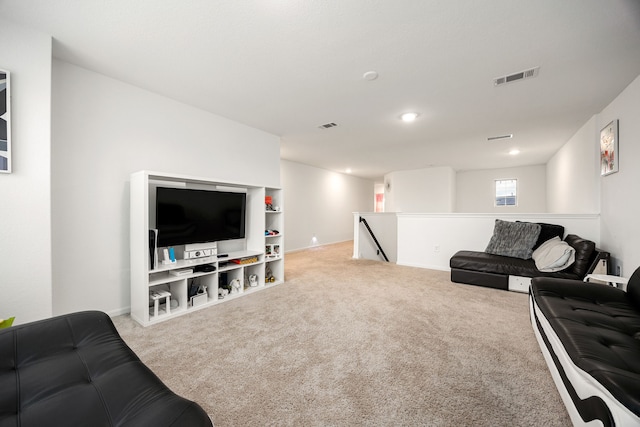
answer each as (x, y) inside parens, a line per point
(366, 224)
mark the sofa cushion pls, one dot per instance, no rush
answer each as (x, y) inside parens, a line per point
(548, 231)
(584, 249)
(497, 264)
(554, 255)
(513, 239)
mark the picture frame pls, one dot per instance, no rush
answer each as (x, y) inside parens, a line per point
(609, 153)
(5, 121)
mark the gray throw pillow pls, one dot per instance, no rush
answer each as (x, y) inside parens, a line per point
(514, 239)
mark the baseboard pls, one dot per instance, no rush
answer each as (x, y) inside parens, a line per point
(427, 266)
(119, 311)
(291, 251)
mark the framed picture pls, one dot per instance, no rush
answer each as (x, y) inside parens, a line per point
(5, 122)
(609, 155)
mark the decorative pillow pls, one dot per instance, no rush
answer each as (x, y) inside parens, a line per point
(514, 239)
(554, 255)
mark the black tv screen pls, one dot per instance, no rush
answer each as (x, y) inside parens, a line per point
(185, 216)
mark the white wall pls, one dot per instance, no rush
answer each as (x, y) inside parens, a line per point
(321, 203)
(476, 190)
(619, 202)
(573, 184)
(103, 130)
(25, 220)
(420, 190)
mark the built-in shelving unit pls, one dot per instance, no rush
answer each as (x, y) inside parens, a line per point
(274, 240)
(249, 265)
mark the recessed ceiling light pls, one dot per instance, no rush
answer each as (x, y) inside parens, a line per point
(514, 152)
(409, 117)
(348, 170)
(370, 75)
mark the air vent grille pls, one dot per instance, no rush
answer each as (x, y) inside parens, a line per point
(526, 74)
(327, 126)
(495, 138)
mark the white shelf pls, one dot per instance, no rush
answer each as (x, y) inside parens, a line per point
(142, 218)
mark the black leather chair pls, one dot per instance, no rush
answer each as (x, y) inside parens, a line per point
(589, 334)
(75, 370)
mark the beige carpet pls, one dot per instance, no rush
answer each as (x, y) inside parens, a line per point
(354, 342)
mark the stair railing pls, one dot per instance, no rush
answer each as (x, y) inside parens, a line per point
(366, 224)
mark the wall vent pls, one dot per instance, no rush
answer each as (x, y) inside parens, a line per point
(526, 74)
(327, 126)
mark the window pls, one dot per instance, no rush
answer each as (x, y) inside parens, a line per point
(506, 192)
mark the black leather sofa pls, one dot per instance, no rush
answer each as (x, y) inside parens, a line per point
(75, 370)
(495, 271)
(590, 336)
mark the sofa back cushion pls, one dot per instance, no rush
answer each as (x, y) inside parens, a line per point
(584, 250)
(633, 288)
(547, 232)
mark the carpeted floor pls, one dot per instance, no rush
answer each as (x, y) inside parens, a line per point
(347, 342)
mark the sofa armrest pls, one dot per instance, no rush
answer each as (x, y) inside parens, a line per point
(599, 256)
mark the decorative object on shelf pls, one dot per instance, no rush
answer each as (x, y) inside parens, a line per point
(253, 280)
(268, 276)
(5, 122)
(201, 296)
(272, 251)
(271, 232)
(268, 201)
(5, 323)
(222, 292)
(169, 256)
(609, 154)
(235, 286)
(245, 260)
(156, 296)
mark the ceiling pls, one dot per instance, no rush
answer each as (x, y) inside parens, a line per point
(289, 66)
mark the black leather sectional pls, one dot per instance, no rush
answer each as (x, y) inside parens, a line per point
(589, 334)
(484, 269)
(75, 370)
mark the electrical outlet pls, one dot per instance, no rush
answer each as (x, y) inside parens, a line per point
(436, 248)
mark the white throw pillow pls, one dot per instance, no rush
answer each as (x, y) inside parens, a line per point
(554, 255)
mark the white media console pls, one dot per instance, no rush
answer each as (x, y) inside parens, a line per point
(245, 265)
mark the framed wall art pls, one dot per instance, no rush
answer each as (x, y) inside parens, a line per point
(5, 122)
(609, 155)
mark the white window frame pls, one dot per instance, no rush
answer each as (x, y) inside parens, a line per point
(498, 194)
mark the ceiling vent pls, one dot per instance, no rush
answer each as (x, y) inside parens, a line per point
(327, 126)
(526, 74)
(496, 138)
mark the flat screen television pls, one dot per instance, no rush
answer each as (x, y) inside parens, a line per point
(185, 216)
